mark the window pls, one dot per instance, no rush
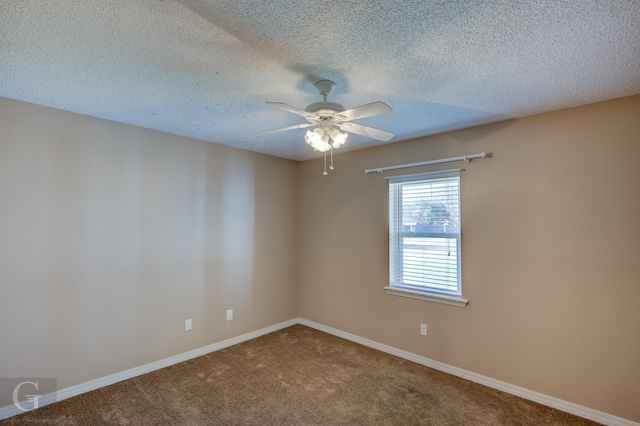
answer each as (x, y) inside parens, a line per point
(424, 237)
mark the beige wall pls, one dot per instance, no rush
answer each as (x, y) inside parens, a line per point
(112, 235)
(551, 254)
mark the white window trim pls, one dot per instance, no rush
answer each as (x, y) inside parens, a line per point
(427, 295)
(423, 295)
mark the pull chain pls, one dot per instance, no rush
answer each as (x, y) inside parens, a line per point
(325, 164)
(331, 166)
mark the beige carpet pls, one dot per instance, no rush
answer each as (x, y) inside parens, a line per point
(297, 376)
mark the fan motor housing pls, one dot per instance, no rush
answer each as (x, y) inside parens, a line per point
(325, 109)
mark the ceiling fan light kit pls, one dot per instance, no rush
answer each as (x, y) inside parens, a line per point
(325, 115)
(325, 137)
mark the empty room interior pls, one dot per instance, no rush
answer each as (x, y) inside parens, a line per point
(166, 192)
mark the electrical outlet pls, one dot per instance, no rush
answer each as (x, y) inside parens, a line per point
(423, 329)
(229, 314)
(187, 325)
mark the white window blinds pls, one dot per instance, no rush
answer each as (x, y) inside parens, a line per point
(424, 233)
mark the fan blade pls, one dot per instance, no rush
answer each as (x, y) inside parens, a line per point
(292, 109)
(371, 132)
(297, 126)
(368, 110)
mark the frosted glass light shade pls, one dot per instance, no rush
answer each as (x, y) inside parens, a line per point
(315, 140)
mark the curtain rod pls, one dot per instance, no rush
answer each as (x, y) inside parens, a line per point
(465, 158)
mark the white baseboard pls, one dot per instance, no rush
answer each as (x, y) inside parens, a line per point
(12, 410)
(568, 407)
(578, 410)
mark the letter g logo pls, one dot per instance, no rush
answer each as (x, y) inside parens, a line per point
(30, 398)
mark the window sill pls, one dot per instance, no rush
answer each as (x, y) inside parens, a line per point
(430, 297)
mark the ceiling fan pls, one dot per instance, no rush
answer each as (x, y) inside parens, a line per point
(331, 116)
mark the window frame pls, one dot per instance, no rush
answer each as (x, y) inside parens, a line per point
(416, 291)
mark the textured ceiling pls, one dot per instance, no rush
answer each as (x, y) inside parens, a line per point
(205, 69)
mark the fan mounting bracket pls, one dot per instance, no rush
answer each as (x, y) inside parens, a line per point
(324, 87)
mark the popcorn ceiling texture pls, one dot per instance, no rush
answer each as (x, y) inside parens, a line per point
(204, 69)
